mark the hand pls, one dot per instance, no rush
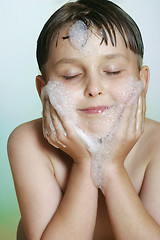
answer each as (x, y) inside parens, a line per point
(130, 129)
(61, 134)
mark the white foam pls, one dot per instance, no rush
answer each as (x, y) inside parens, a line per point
(57, 95)
(130, 89)
(79, 35)
(97, 134)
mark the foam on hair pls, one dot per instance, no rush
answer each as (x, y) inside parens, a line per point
(78, 34)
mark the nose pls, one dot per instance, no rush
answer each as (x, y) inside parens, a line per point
(93, 88)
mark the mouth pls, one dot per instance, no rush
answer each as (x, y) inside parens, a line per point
(94, 110)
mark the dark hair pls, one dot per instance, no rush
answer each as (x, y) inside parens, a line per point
(102, 14)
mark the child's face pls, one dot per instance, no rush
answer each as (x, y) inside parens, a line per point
(98, 60)
(97, 76)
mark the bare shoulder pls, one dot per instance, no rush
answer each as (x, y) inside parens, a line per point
(153, 126)
(152, 135)
(27, 148)
(28, 139)
(153, 142)
(29, 131)
(150, 194)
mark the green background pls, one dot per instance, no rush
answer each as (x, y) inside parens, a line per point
(20, 25)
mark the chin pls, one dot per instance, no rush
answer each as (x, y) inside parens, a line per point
(97, 127)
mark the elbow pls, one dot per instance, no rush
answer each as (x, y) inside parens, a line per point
(22, 236)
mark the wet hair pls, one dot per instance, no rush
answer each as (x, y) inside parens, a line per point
(102, 14)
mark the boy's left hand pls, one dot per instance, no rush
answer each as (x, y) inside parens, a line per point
(129, 130)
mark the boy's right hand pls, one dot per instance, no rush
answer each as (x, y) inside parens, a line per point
(64, 136)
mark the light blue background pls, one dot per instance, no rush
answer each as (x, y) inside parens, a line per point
(20, 25)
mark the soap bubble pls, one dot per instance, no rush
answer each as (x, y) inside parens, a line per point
(79, 34)
(99, 142)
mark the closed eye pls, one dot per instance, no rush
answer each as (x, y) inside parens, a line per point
(68, 77)
(113, 73)
(71, 77)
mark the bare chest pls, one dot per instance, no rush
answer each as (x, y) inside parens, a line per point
(135, 169)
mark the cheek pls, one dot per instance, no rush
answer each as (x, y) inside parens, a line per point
(127, 89)
(60, 97)
(123, 93)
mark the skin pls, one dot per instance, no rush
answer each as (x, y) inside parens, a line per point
(56, 194)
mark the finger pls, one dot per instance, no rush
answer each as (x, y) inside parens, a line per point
(140, 117)
(64, 132)
(133, 118)
(62, 126)
(45, 117)
(124, 119)
(68, 132)
(48, 128)
(144, 111)
(47, 136)
(59, 133)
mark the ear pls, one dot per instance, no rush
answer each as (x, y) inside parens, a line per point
(40, 83)
(145, 76)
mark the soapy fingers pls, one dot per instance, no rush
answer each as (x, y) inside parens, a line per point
(48, 128)
(141, 115)
(130, 129)
(60, 133)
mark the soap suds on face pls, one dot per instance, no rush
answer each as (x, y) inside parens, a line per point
(55, 94)
(129, 90)
(100, 143)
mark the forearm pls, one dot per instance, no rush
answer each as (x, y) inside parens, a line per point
(76, 215)
(128, 217)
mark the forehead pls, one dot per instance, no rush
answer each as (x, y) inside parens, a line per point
(76, 40)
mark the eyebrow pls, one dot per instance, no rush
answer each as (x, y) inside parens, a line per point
(67, 60)
(107, 57)
(114, 56)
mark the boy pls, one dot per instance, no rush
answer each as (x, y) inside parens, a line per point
(93, 89)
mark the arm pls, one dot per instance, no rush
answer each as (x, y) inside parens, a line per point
(129, 216)
(46, 214)
(76, 215)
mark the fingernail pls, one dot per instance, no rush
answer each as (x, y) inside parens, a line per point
(64, 146)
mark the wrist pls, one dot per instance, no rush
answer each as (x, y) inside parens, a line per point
(83, 170)
(113, 172)
(114, 168)
(83, 166)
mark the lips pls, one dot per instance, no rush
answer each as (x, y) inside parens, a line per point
(94, 110)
